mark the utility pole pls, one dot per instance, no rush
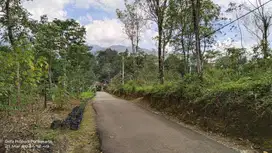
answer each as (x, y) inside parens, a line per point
(123, 70)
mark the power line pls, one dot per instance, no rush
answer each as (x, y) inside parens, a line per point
(237, 19)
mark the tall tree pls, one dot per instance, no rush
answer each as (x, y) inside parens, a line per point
(133, 20)
(261, 20)
(182, 38)
(45, 43)
(14, 19)
(196, 20)
(157, 12)
(168, 27)
(70, 33)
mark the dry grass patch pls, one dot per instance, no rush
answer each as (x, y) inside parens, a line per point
(85, 140)
(34, 124)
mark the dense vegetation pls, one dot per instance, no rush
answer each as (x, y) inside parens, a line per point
(46, 69)
(48, 59)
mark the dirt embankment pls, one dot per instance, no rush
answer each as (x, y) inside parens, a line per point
(234, 120)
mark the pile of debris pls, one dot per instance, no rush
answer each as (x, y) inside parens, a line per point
(72, 121)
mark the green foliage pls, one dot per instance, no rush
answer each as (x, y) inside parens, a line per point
(87, 95)
(108, 65)
(216, 82)
(32, 72)
(59, 96)
(53, 62)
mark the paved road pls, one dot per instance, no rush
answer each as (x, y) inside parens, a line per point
(126, 128)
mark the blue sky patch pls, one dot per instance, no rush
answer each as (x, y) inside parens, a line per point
(95, 12)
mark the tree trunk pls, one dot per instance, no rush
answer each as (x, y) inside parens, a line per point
(132, 45)
(134, 64)
(9, 26)
(184, 54)
(9, 98)
(137, 38)
(137, 49)
(265, 42)
(18, 83)
(11, 39)
(123, 70)
(196, 9)
(50, 72)
(65, 71)
(190, 44)
(161, 70)
(163, 59)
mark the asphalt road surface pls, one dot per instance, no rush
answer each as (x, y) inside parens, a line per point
(124, 127)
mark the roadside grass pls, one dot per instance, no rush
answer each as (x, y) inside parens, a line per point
(83, 140)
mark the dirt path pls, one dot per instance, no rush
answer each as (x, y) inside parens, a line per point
(126, 128)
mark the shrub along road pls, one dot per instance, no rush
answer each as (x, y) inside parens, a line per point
(126, 128)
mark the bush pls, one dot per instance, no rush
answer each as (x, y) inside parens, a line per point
(59, 96)
(86, 95)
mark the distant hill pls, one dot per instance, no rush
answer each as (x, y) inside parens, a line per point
(96, 48)
(118, 48)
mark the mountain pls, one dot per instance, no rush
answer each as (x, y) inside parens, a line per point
(118, 48)
(96, 48)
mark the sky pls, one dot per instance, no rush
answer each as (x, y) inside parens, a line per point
(104, 29)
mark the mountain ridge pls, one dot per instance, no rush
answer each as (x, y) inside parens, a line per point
(118, 48)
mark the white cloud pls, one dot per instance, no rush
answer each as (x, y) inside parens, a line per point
(147, 39)
(85, 19)
(225, 3)
(106, 5)
(53, 8)
(105, 33)
(109, 32)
